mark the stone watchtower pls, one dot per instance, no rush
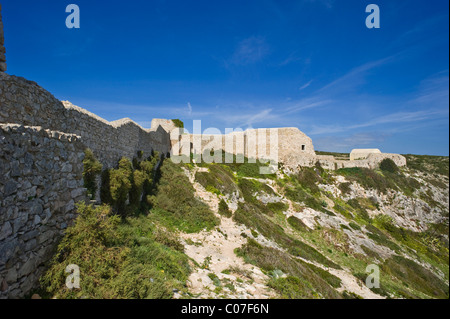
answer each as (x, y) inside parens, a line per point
(2, 47)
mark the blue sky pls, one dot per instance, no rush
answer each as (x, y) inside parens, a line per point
(310, 64)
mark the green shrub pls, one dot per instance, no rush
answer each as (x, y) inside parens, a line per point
(416, 277)
(118, 258)
(91, 169)
(361, 205)
(367, 178)
(345, 188)
(178, 123)
(219, 177)
(175, 202)
(277, 207)
(389, 165)
(380, 238)
(129, 181)
(120, 184)
(249, 215)
(270, 259)
(292, 288)
(381, 180)
(298, 224)
(428, 164)
(213, 190)
(369, 252)
(343, 211)
(355, 226)
(105, 189)
(309, 179)
(224, 210)
(334, 281)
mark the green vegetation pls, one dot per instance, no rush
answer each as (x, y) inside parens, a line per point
(178, 123)
(126, 187)
(307, 283)
(388, 165)
(118, 258)
(175, 203)
(345, 188)
(91, 169)
(354, 226)
(249, 215)
(130, 248)
(298, 224)
(277, 207)
(224, 210)
(303, 188)
(215, 279)
(381, 238)
(381, 181)
(428, 164)
(416, 276)
(361, 205)
(219, 177)
(238, 164)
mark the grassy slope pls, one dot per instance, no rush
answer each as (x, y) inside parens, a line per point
(139, 256)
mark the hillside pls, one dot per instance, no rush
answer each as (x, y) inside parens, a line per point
(225, 231)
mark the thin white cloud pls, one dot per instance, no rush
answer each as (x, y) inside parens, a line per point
(304, 104)
(351, 78)
(346, 143)
(251, 50)
(292, 57)
(304, 86)
(189, 108)
(394, 118)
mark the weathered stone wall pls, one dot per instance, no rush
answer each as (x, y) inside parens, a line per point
(40, 182)
(372, 161)
(2, 46)
(278, 144)
(358, 154)
(291, 147)
(41, 172)
(24, 102)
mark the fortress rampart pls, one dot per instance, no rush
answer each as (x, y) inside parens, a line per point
(42, 143)
(40, 182)
(24, 102)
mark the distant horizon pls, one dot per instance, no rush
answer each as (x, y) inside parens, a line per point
(310, 64)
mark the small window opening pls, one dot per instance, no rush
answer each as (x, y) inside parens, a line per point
(303, 147)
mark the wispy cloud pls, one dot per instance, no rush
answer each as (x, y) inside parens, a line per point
(355, 76)
(189, 108)
(357, 140)
(304, 86)
(304, 104)
(251, 50)
(248, 119)
(394, 118)
(291, 58)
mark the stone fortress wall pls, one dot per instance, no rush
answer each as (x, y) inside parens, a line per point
(24, 102)
(291, 147)
(42, 143)
(40, 182)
